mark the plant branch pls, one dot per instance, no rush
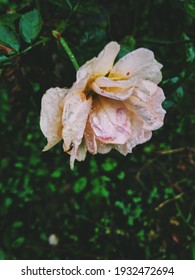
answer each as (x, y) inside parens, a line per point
(65, 46)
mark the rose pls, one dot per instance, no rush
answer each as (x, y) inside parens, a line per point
(107, 107)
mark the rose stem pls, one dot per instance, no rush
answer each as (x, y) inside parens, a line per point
(65, 46)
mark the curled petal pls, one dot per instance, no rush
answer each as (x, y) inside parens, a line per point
(146, 103)
(106, 82)
(103, 148)
(81, 152)
(51, 115)
(78, 154)
(93, 145)
(74, 119)
(90, 139)
(110, 121)
(139, 136)
(140, 64)
(119, 90)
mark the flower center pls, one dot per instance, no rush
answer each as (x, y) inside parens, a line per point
(88, 91)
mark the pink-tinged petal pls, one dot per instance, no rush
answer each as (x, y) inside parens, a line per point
(74, 118)
(93, 145)
(110, 121)
(139, 136)
(145, 102)
(140, 64)
(51, 115)
(145, 90)
(118, 90)
(81, 152)
(90, 139)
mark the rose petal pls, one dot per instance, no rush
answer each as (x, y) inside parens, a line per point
(79, 153)
(102, 64)
(90, 139)
(94, 146)
(103, 148)
(119, 90)
(84, 71)
(106, 82)
(51, 115)
(110, 121)
(139, 63)
(74, 118)
(146, 103)
(139, 136)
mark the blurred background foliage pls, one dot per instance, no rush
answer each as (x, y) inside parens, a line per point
(141, 206)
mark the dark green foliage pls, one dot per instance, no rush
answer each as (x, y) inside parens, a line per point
(30, 25)
(8, 37)
(110, 207)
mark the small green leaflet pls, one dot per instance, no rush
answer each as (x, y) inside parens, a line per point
(30, 25)
(9, 38)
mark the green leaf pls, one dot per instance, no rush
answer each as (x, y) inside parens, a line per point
(3, 58)
(56, 174)
(99, 188)
(18, 242)
(80, 184)
(9, 37)
(121, 175)
(190, 7)
(109, 164)
(30, 25)
(9, 19)
(17, 224)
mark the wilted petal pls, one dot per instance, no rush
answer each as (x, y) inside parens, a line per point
(134, 141)
(93, 145)
(146, 90)
(103, 148)
(119, 90)
(74, 118)
(78, 153)
(81, 151)
(51, 115)
(110, 121)
(146, 103)
(139, 136)
(140, 64)
(90, 139)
